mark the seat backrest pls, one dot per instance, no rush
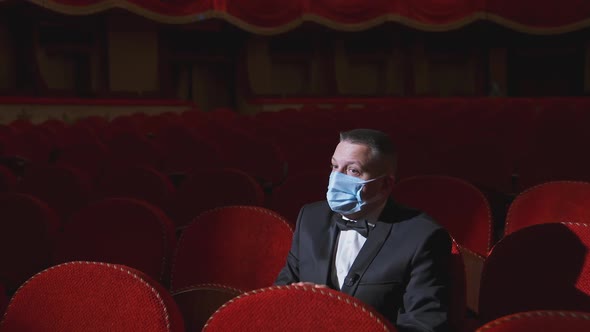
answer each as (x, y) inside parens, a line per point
(243, 247)
(458, 304)
(198, 303)
(184, 150)
(66, 189)
(28, 229)
(133, 149)
(457, 205)
(3, 299)
(296, 191)
(296, 308)
(90, 296)
(549, 202)
(140, 182)
(534, 321)
(7, 179)
(86, 153)
(213, 188)
(540, 267)
(120, 231)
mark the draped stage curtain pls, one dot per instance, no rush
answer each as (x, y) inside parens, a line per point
(273, 17)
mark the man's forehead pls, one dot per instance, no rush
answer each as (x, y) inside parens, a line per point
(354, 152)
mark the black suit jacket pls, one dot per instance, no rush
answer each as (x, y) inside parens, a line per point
(402, 270)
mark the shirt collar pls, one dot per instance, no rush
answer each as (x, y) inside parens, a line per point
(373, 216)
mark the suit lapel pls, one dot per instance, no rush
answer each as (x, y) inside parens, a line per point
(370, 249)
(326, 250)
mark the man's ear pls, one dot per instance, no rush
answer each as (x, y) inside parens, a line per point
(390, 181)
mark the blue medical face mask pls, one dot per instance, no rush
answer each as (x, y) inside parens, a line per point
(344, 193)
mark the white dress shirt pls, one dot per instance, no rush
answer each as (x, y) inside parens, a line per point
(349, 245)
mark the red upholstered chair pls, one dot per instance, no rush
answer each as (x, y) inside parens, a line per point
(535, 321)
(549, 202)
(305, 154)
(134, 149)
(66, 189)
(212, 188)
(185, 149)
(120, 231)
(95, 124)
(260, 158)
(457, 205)
(123, 124)
(141, 182)
(296, 308)
(198, 303)
(3, 299)
(36, 145)
(90, 296)
(7, 179)
(462, 209)
(298, 190)
(85, 153)
(243, 247)
(540, 267)
(156, 122)
(28, 229)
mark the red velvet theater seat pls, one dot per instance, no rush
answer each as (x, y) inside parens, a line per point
(85, 152)
(28, 229)
(457, 205)
(89, 296)
(66, 189)
(3, 299)
(7, 179)
(298, 190)
(540, 267)
(243, 247)
(535, 321)
(140, 182)
(549, 202)
(296, 308)
(121, 231)
(211, 188)
(185, 149)
(198, 303)
(134, 149)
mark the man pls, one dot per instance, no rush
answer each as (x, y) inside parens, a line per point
(359, 241)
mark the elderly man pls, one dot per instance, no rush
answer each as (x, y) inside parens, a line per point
(359, 241)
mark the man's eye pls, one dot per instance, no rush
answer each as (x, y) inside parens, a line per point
(354, 171)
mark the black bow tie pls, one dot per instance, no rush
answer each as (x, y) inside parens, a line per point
(362, 226)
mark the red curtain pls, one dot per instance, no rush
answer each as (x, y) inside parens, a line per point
(271, 16)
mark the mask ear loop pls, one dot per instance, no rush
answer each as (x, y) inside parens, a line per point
(374, 199)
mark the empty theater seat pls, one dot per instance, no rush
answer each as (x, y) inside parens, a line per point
(121, 231)
(540, 267)
(243, 247)
(457, 205)
(141, 182)
(90, 296)
(211, 188)
(65, 188)
(549, 202)
(28, 230)
(546, 321)
(197, 303)
(296, 308)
